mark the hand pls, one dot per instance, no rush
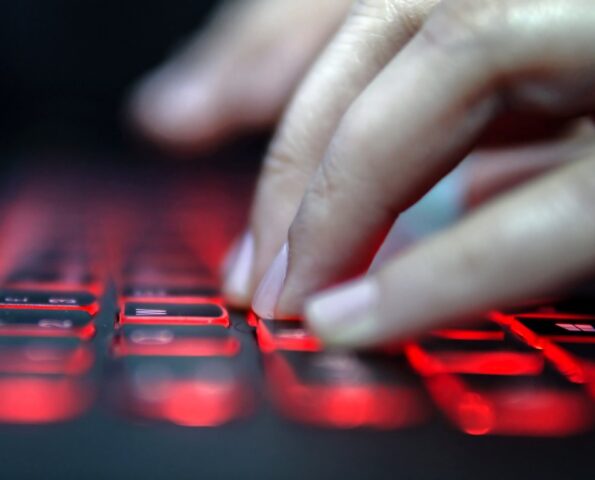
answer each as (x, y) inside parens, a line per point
(401, 95)
(237, 75)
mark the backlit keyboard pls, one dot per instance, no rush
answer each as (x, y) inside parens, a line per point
(111, 302)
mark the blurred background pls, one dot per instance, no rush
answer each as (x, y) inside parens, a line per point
(66, 66)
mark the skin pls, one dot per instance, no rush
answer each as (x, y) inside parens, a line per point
(402, 93)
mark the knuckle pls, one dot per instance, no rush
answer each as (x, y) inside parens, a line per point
(283, 161)
(405, 13)
(464, 24)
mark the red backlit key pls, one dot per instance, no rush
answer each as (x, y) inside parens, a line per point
(173, 314)
(44, 356)
(561, 327)
(174, 341)
(512, 405)
(285, 335)
(43, 399)
(170, 294)
(51, 300)
(194, 392)
(479, 357)
(46, 323)
(340, 390)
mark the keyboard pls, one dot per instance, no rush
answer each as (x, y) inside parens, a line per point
(109, 302)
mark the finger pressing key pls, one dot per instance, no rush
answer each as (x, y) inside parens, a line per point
(418, 119)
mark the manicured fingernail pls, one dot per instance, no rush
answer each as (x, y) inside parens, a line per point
(345, 315)
(269, 290)
(237, 270)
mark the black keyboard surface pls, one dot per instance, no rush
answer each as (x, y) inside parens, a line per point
(119, 357)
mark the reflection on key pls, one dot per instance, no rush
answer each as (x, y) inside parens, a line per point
(46, 323)
(174, 341)
(174, 314)
(206, 392)
(344, 391)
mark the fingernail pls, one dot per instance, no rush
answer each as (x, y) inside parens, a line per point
(346, 315)
(268, 292)
(237, 270)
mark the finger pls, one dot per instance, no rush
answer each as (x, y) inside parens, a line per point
(525, 244)
(412, 125)
(373, 33)
(236, 75)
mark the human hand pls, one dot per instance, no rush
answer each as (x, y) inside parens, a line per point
(400, 96)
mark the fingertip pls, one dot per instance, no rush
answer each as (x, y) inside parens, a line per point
(237, 271)
(270, 288)
(346, 316)
(175, 108)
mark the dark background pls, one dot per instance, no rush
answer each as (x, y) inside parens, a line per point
(66, 65)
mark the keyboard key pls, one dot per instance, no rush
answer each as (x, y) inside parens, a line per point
(55, 300)
(36, 400)
(285, 335)
(479, 357)
(561, 327)
(193, 392)
(339, 390)
(46, 323)
(542, 405)
(174, 341)
(44, 356)
(173, 313)
(172, 294)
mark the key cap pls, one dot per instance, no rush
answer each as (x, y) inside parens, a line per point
(38, 299)
(479, 357)
(47, 323)
(173, 313)
(174, 341)
(340, 390)
(173, 294)
(536, 406)
(285, 335)
(41, 356)
(43, 400)
(561, 327)
(194, 392)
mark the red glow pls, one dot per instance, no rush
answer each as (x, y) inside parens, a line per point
(86, 332)
(45, 359)
(295, 341)
(178, 347)
(191, 403)
(34, 400)
(91, 309)
(510, 410)
(345, 405)
(96, 288)
(222, 319)
(463, 334)
(479, 363)
(562, 360)
(252, 319)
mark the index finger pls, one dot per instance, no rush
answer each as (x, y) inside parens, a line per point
(421, 115)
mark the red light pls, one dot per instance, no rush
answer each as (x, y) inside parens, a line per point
(42, 400)
(178, 347)
(344, 405)
(37, 359)
(479, 363)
